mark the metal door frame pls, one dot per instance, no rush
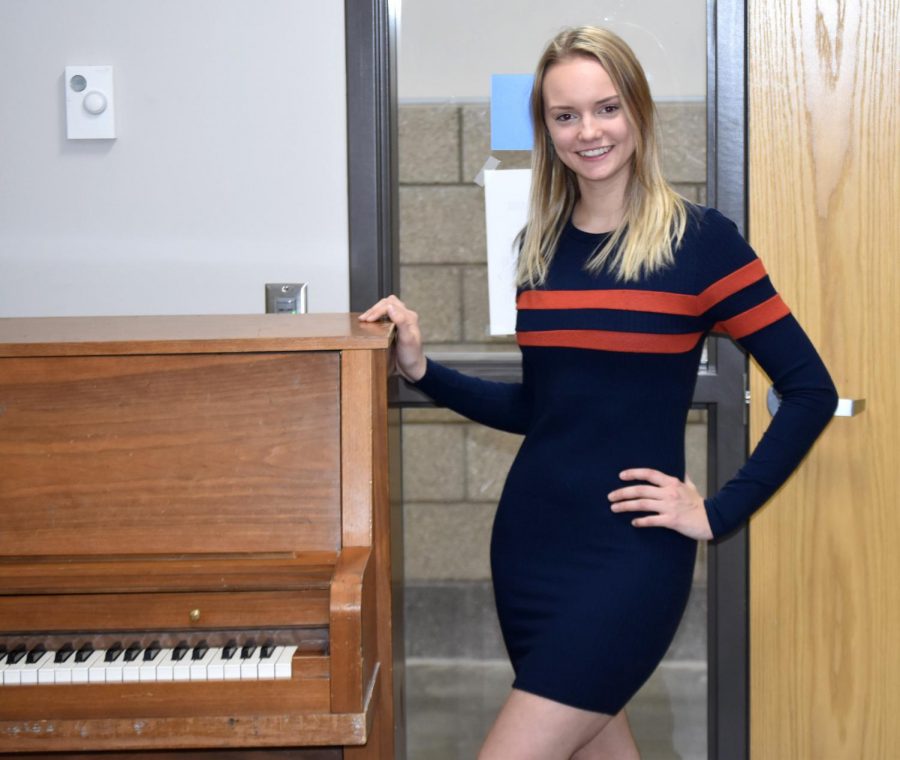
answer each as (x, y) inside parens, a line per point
(728, 613)
(721, 387)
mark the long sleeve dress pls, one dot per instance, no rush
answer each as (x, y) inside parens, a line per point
(588, 603)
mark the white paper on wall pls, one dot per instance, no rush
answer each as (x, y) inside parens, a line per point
(506, 209)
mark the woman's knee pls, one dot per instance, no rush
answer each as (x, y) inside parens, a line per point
(530, 726)
(613, 742)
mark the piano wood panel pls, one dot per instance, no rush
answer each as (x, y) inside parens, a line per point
(233, 714)
(356, 454)
(219, 333)
(135, 575)
(386, 733)
(353, 645)
(104, 612)
(170, 454)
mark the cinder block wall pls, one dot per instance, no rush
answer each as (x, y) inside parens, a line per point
(453, 470)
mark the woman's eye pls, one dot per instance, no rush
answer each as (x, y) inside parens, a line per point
(609, 110)
(564, 117)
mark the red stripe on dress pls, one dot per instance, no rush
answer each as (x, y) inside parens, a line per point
(754, 319)
(624, 300)
(654, 301)
(731, 284)
(604, 340)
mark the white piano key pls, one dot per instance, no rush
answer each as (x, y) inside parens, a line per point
(30, 669)
(181, 670)
(266, 667)
(97, 673)
(283, 665)
(10, 675)
(115, 670)
(62, 671)
(233, 667)
(81, 670)
(148, 667)
(131, 670)
(249, 666)
(198, 667)
(47, 673)
(215, 671)
(165, 671)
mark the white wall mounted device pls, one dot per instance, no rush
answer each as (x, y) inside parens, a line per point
(90, 104)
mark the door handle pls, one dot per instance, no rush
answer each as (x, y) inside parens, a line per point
(847, 407)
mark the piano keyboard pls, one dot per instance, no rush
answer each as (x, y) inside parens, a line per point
(20, 666)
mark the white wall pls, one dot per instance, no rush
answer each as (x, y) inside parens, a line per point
(229, 170)
(448, 50)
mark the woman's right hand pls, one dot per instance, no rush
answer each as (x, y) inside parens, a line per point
(410, 355)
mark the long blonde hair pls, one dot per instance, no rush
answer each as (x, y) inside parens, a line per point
(655, 215)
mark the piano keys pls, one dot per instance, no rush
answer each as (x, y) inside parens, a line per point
(23, 667)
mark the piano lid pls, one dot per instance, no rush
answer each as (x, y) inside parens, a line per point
(220, 333)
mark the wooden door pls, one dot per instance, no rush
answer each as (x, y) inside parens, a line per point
(824, 175)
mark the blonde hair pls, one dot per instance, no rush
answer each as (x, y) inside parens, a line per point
(655, 215)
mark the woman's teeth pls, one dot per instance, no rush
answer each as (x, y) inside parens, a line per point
(595, 152)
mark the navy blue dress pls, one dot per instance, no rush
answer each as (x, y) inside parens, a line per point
(588, 604)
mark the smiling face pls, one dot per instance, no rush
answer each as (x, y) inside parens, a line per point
(587, 123)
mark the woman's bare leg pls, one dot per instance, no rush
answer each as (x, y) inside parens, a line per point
(530, 727)
(613, 742)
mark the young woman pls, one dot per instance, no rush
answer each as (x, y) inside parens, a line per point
(620, 280)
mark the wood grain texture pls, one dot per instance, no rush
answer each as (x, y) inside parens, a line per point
(122, 574)
(387, 719)
(167, 612)
(824, 202)
(352, 577)
(357, 380)
(292, 728)
(170, 454)
(225, 333)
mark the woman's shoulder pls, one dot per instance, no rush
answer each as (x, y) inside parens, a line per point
(714, 244)
(708, 221)
(711, 231)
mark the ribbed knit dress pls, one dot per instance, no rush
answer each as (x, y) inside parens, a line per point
(588, 603)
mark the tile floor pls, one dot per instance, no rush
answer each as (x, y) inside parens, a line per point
(451, 704)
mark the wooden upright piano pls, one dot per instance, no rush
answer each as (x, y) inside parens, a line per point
(195, 545)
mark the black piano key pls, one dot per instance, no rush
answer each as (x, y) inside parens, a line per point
(64, 653)
(2, 653)
(248, 649)
(131, 654)
(84, 651)
(229, 649)
(38, 651)
(16, 654)
(200, 651)
(180, 651)
(114, 652)
(152, 651)
(267, 650)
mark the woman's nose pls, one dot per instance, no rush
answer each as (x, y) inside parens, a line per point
(590, 128)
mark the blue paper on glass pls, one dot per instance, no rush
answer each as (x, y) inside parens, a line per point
(510, 119)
